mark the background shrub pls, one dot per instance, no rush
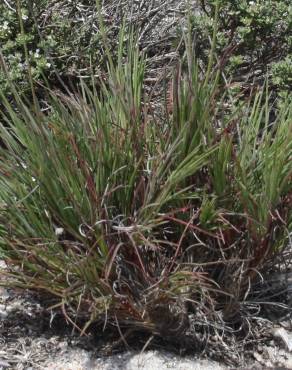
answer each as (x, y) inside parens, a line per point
(64, 36)
(254, 37)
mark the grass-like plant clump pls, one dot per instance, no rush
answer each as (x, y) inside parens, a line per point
(166, 226)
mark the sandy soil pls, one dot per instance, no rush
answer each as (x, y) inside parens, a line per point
(28, 341)
(150, 360)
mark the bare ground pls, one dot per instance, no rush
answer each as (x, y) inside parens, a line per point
(32, 339)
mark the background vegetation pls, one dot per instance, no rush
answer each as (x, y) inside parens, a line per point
(254, 37)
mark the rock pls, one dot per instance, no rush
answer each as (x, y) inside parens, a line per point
(285, 336)
(3, 364)
(3, 312)
(148, 360)
(258, 357)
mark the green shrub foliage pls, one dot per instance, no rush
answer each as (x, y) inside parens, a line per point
(253, 36)
(58, 38)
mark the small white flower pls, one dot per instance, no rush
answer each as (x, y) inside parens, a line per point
(59, 231)
(21, 66)
(5, 25)
(24, 17)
